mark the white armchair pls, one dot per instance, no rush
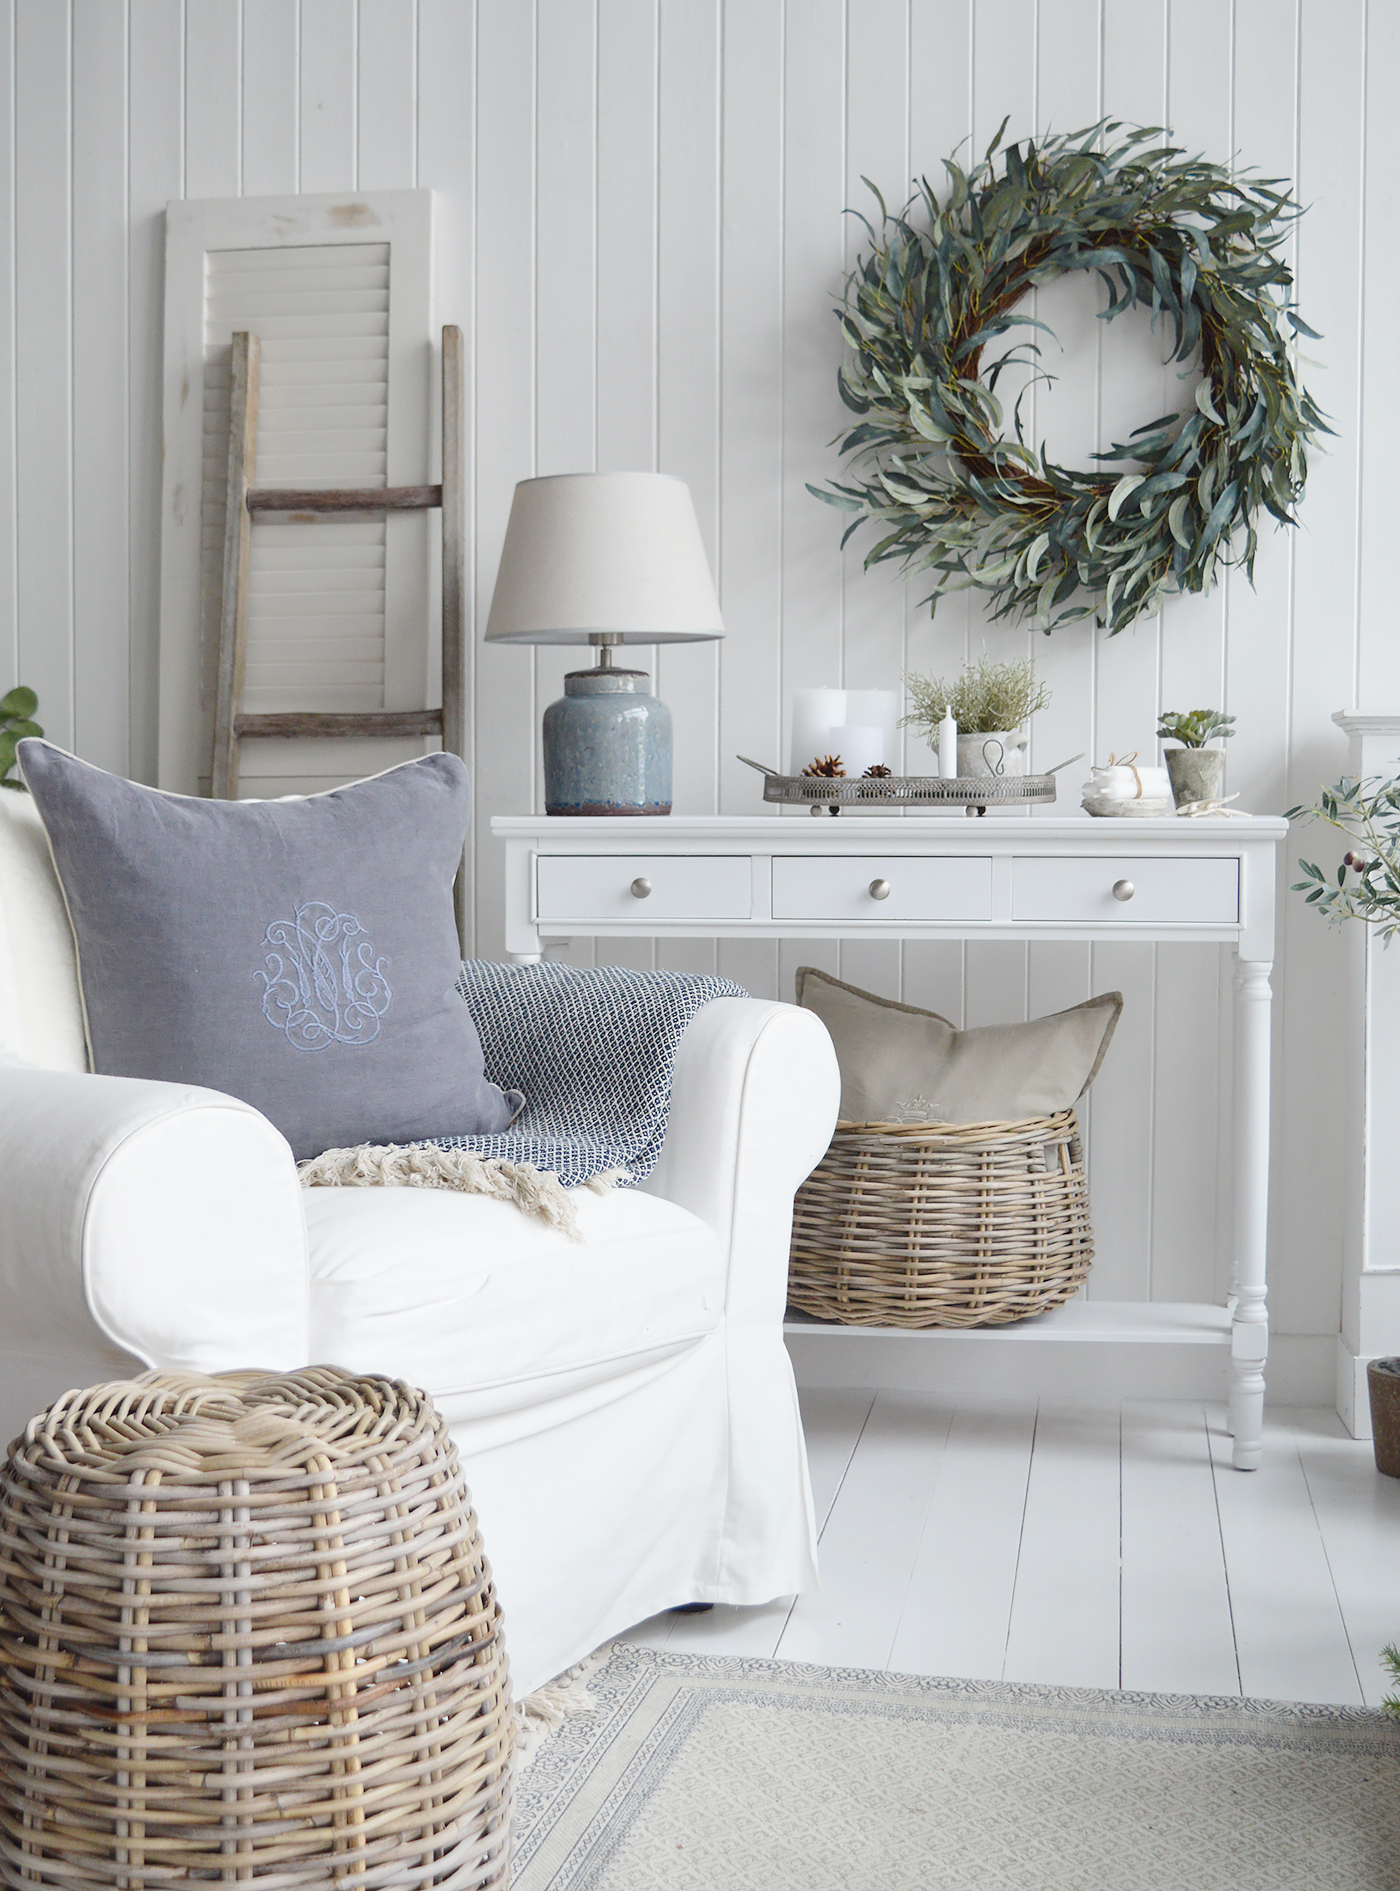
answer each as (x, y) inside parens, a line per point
(624, 1409)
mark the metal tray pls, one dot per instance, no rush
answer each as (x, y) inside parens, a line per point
(976, 793)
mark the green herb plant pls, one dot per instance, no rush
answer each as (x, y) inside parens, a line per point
(1390, 1657)
(17, 708)
(986, 699)
(965, 498)
(1195, 727)
(1366, 885)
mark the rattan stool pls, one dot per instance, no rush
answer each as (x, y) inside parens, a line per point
(248, 1635)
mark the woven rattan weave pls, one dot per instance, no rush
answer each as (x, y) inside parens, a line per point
(970, 1224)
(247, 1635)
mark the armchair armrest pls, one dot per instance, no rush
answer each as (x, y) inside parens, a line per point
(144, 1224)
(754, 1101)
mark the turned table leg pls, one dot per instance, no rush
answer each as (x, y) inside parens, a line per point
(1249, 1335)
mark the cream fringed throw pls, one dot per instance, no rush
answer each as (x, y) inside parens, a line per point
(533, 1191)
(593, 1052)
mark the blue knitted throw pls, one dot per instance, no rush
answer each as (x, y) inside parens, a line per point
(593, 1053)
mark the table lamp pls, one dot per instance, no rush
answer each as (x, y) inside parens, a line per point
(604, 559)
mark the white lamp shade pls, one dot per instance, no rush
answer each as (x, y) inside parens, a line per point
(615, 552)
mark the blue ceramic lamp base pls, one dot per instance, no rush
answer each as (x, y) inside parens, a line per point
(607, 745)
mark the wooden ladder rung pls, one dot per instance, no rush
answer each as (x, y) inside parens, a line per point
(344, 499)
(341, 722)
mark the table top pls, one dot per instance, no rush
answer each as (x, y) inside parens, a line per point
(1004, 832)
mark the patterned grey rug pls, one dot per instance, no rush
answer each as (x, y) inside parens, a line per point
(696, 1773)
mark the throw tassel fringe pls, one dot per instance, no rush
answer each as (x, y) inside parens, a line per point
(543, 1713)
(391, 1165)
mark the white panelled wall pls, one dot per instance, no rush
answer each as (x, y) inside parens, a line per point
(640, 229)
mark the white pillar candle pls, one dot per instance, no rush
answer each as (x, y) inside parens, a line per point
(880, 708)
(815, 712)
(859, 745)
(948, 747)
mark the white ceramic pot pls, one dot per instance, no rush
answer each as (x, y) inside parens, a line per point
(1000, 754)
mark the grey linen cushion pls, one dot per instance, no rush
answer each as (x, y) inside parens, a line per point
(903, 1065)
(299, 954)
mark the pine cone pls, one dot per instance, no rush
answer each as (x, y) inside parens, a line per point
(828, 765)
(877, 772)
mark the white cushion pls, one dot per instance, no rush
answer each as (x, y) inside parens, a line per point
(41, 1010)
(467, 1296)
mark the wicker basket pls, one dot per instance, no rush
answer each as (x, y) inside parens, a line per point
(247, 1635)
(970, 1224)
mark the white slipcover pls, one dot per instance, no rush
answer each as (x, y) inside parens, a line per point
(624, 1408)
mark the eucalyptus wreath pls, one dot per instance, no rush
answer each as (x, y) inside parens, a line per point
(959, 497)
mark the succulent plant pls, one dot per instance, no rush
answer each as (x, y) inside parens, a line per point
(17, 708)
(1193, 728)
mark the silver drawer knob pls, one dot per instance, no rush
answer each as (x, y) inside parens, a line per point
(879, 889)
(641, 888)
(1123, 889)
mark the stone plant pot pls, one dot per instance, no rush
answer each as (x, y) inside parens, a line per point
(1196, 774)
(1000, 754)
(1383, 1383)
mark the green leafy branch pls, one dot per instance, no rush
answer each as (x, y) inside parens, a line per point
(959, 498)
(16, 721)
(1390, 1657)
(1367, 883)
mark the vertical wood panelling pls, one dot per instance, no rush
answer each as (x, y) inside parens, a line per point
(1378, 664)
(43, 350)
(640, 229)
(271, 75)
(501, 418)
(750, 562)
(155, 161)
(101, 711)
(9, 600)
(446, 158)
(213, 74)
(566, 294)
(1308, 1140)
(329, 95)
(387, 106)
(687, 366)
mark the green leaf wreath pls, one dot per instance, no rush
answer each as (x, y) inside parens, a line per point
(959, 498)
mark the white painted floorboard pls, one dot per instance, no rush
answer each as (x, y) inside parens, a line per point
(1085, 1547)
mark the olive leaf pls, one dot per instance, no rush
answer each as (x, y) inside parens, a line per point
(933, 466)
(17, 708)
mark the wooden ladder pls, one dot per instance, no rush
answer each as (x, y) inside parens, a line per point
(231, 722)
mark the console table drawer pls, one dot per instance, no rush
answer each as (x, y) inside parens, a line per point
(1163, 892)
(848, 887)
(638, 887)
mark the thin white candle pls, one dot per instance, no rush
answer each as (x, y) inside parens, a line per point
(948, 747)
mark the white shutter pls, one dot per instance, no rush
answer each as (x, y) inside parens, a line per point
(339, 294)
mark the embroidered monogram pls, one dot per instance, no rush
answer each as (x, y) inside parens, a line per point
(322, 983)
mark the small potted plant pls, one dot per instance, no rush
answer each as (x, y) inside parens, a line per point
(1195, 771)
(990, 702)
(17, 708)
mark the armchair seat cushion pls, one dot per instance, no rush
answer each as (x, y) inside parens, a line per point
(491, 1311)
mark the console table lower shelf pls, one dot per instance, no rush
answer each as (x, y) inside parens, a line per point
(1207, 1331)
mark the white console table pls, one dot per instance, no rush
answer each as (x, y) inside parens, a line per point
(930, 877)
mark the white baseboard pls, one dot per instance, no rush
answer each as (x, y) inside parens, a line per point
(1353, 1394)
(1301, 1368)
